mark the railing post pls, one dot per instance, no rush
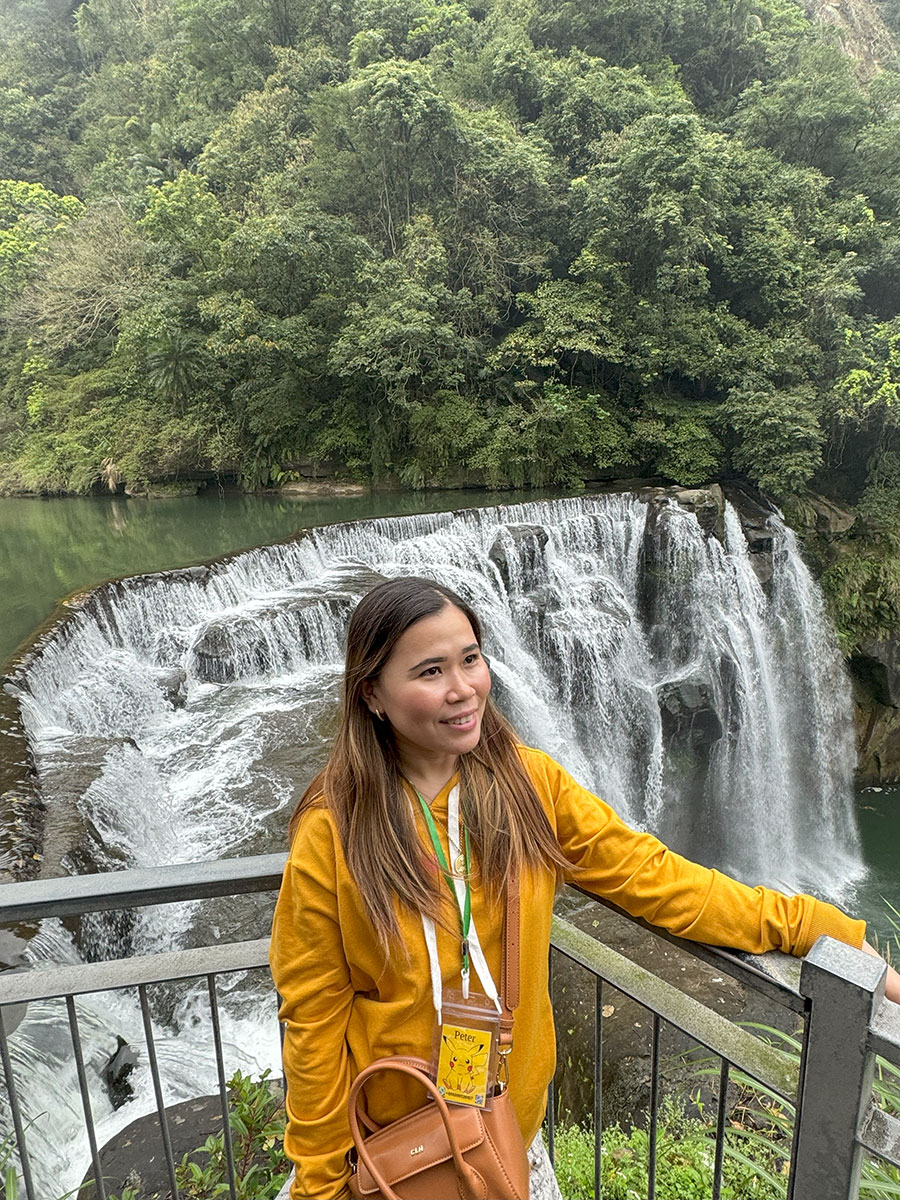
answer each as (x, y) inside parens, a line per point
(844, 987)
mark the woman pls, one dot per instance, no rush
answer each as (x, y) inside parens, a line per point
(362, 887)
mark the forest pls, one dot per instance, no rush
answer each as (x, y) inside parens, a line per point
(512, 242)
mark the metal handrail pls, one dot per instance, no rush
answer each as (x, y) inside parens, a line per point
(72, 895)
(840, 989)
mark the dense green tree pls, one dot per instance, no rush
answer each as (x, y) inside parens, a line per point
(92, 270)
(30, 216)
(813, 113)
(540, 238)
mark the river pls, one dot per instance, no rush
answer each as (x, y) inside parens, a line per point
(52, 547)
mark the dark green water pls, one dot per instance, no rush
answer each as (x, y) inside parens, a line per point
(50, 548)
(879, 826)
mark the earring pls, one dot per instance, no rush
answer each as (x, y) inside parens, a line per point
(379, 714)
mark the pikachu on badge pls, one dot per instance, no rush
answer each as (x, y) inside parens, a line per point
(462, 1073)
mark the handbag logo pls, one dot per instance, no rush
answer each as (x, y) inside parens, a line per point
(416, 1150)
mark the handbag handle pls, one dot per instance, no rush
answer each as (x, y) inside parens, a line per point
(416, 1068)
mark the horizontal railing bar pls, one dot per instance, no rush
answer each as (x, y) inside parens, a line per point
(744, 1051)
(21, 987)
(71, 895)
(786, 994)
(884, 1033)
(881, 1135)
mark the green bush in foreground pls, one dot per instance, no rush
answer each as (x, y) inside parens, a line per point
(257, 1131)
(755, 1166)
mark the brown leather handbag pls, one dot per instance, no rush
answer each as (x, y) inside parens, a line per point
(442, 1151)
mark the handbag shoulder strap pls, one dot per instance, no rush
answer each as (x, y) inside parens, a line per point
(509, 990)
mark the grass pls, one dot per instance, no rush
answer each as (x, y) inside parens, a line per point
(685, 1161)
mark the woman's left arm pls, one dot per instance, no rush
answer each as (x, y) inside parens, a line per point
(642, 876)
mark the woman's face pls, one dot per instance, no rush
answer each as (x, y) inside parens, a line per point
(433, 688)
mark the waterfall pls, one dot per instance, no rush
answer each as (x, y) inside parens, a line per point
(181, 714)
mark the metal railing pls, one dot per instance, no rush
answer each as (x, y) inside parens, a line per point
(839, 1002)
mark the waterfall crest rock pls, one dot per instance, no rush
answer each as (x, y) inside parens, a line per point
(706, 503)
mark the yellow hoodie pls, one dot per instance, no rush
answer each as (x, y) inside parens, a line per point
(344, 1004)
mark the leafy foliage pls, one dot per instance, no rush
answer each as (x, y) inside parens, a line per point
(684, 1164)
(763, 1129)
(256, 1115)
(517, 243)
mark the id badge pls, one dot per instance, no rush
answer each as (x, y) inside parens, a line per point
(464, 1054)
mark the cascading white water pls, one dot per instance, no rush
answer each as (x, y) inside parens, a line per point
(638, 650)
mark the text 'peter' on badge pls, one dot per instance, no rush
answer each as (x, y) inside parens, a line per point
(465, 1052)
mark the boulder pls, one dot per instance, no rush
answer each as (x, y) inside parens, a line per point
(812, 513)
(134, 1157)
(116, 1072)
(231, 648)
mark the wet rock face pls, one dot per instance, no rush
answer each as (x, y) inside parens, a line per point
(247, 645)
(516, 553)
(688, 715)
(879, 751)
(668, 568)
(213, 655)
(755, 513)
(877, 667)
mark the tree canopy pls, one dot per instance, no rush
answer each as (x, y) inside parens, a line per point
(519, 241)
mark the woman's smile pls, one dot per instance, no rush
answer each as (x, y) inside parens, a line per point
(466, 721)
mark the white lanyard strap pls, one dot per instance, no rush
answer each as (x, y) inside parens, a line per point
(479, 962)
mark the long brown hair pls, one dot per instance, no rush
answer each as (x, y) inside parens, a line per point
(362, 787)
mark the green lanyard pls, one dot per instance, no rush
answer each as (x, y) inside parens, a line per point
(465, 914)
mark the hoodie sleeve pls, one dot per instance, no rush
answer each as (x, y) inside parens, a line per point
(310, 971)
(639, 874)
